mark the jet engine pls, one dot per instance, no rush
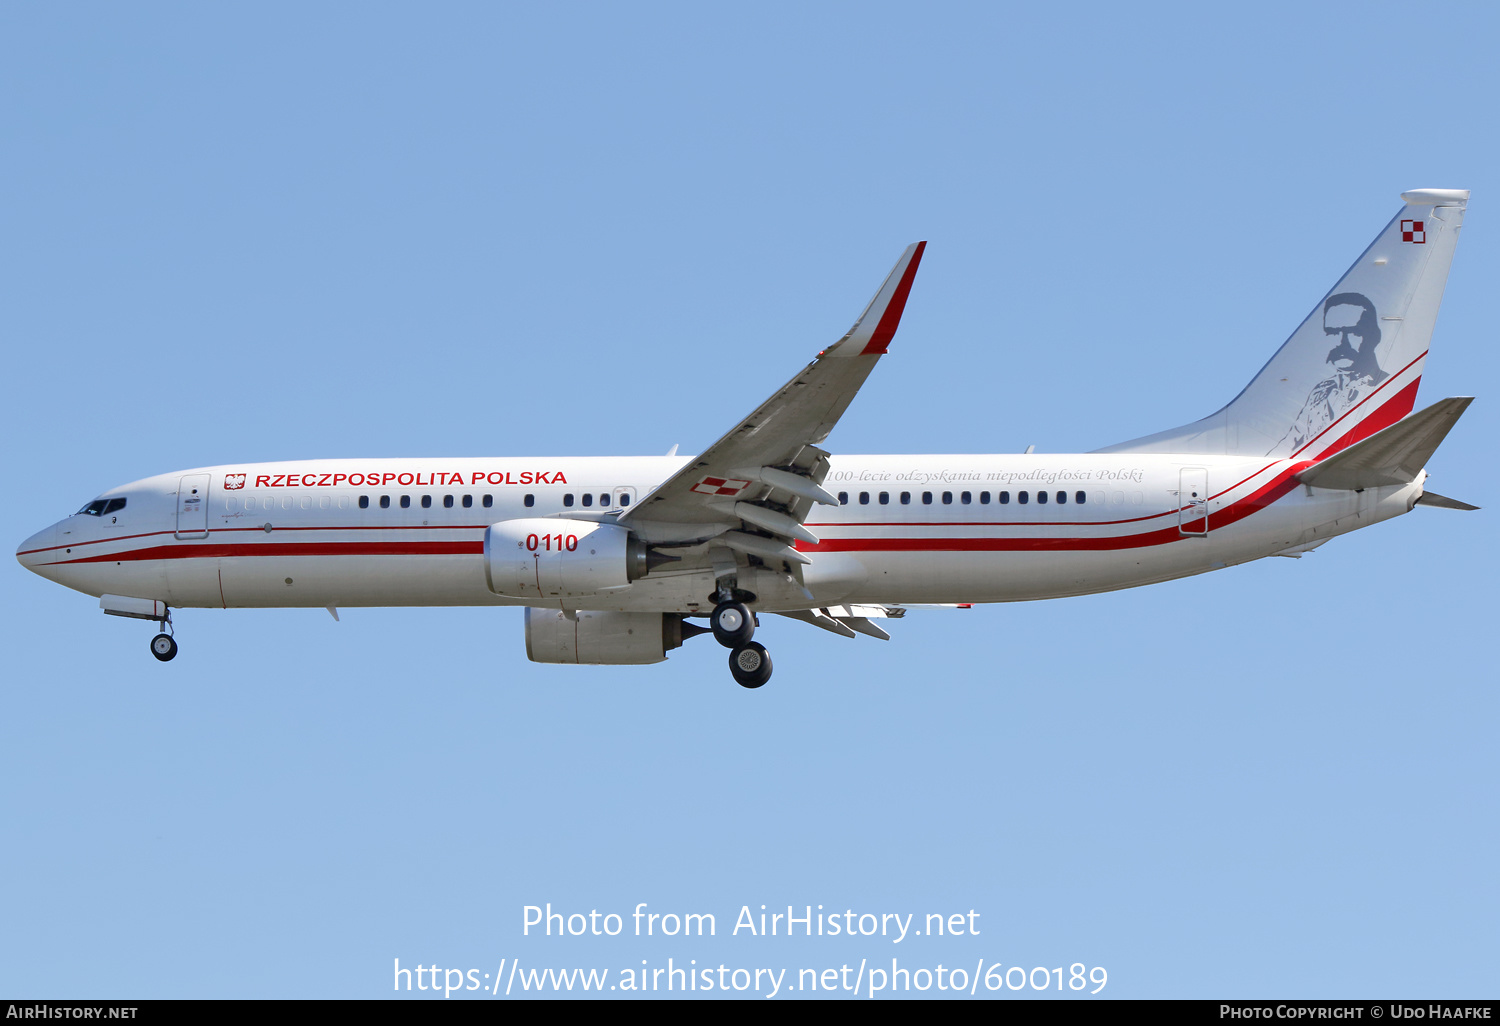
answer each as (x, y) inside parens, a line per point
(551, 558)
(604, 639)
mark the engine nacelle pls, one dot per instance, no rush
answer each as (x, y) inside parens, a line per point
(551, 558)
(602, 639)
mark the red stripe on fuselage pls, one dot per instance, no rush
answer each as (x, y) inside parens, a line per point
(1252, 503)
(208, 550)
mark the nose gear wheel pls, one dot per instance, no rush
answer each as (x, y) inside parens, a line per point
(164, 647)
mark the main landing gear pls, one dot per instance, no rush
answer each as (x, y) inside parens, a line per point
(733, 626)
(750, 664)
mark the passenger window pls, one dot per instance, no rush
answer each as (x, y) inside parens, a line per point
(966, 498)
(468, 501)
(364, 502)
(489, 500)
(447, 502)
(1005, 498)
(1062, 498)
(864, 498)
(1023, 497)
(530, 500)
(426, 502)
(624, 498)
(406, 502)
(947, 498)
(588, 499)
(1041, 497)
(843, 498)
(885, 498)
(568, 499)
(1080, 497)
(984, 498)
(604, 498)
(385, 502)
(927, 498)
(906, 498)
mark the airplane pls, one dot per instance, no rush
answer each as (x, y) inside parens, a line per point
(612, 558)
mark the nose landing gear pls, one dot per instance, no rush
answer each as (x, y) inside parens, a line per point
(164, 647)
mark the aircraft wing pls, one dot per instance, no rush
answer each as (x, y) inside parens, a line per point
(762, 477)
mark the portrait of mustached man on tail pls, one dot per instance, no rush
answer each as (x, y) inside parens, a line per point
(1351, 317)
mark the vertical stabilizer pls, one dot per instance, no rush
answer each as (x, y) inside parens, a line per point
(1353, 366)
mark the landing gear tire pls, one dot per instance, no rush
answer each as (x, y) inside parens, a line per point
(163, 647)
(750, 665)
(733, 624)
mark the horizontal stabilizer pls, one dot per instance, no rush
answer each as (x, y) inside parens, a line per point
(1394, 456)
(1434, 499)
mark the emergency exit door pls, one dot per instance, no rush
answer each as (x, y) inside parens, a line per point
(1192, 501)
(192, 506)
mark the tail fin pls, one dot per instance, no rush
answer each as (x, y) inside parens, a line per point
(1353, 366)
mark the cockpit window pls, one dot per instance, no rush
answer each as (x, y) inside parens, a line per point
(102, 507)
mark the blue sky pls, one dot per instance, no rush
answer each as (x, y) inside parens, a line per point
(285, 232)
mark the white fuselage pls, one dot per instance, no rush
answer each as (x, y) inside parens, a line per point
(912, 529)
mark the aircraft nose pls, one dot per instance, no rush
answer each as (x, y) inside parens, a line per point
(31, 552)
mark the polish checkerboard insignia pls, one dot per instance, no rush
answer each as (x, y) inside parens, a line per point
(1414, 231)
(720, 486)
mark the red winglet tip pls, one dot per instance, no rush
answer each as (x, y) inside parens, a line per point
(891, 318)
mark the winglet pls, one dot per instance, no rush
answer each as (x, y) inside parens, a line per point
(873, 332)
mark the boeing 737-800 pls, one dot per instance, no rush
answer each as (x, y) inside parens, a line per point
(612, 558)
